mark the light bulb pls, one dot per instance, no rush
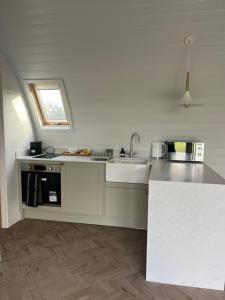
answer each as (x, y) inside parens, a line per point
(186, 101)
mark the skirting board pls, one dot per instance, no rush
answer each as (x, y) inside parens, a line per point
(34, 213)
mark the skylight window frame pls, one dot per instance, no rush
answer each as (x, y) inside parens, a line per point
(36, 106)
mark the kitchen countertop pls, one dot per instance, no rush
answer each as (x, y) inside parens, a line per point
(61, 158)
(163, 170)
(67, 158)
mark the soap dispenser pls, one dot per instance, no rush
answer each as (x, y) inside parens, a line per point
(122, 152)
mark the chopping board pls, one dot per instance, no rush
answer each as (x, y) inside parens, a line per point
(76, 154)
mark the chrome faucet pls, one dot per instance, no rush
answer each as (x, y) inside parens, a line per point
(134, 135)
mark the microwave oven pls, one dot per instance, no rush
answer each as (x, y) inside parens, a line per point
(185, 151)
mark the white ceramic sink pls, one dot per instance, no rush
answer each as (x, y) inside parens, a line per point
(130, 170)
(129, 161)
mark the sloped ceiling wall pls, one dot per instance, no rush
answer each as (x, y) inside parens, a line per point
(123, 63)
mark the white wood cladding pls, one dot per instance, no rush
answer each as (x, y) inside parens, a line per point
(123, 63)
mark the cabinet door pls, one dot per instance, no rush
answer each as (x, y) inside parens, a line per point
(126, 202)
(83, 188)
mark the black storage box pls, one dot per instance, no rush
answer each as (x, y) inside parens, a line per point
(35, 148)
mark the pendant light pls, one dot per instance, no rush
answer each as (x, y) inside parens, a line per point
(187, 100)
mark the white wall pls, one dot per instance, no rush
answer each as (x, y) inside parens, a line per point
(17, 134)
(123, 63)
(3, 181)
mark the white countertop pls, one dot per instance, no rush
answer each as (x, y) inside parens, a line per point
(61, 158)
(163, 170)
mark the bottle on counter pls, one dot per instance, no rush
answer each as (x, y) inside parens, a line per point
(122, 152)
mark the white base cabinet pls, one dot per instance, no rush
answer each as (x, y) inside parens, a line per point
(83, 188)
(126, 202)
(87, 198)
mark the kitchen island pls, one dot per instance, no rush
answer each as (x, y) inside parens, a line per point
(186, 225)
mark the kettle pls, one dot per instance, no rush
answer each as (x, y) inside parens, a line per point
(158, 150)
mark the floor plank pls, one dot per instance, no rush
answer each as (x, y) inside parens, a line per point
(45, 260)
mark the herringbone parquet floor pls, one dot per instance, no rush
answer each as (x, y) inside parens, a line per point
(54, 261)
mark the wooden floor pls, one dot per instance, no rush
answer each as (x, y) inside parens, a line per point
(54, 260)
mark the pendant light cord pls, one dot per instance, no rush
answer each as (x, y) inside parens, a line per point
(188, 58)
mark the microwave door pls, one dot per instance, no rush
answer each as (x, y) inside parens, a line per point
(171, 151)
(181, 150)
(189, 151)
(193, 151)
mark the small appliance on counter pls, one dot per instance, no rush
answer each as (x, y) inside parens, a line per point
(191, 151)
(158, 150)
(35, 148)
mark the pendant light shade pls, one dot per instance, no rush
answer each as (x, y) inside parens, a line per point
(187, 101)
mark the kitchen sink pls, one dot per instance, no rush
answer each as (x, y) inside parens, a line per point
(129, 161)
(96, 158)
(130, 170)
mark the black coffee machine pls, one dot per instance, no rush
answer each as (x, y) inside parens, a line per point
(35, 148)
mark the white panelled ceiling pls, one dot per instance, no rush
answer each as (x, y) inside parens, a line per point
(124, 63)
(53, 37)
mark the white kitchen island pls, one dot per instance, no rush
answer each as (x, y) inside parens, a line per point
(186, 225)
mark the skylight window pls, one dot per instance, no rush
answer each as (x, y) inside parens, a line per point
(51, 103)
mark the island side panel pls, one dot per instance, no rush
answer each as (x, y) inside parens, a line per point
(186, 234)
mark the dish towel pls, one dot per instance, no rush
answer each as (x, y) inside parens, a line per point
(32, 189)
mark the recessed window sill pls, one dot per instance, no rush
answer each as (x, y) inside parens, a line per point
(56, 128)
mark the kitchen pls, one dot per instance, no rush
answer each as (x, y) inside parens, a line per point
(128, 191)
(123, 77)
